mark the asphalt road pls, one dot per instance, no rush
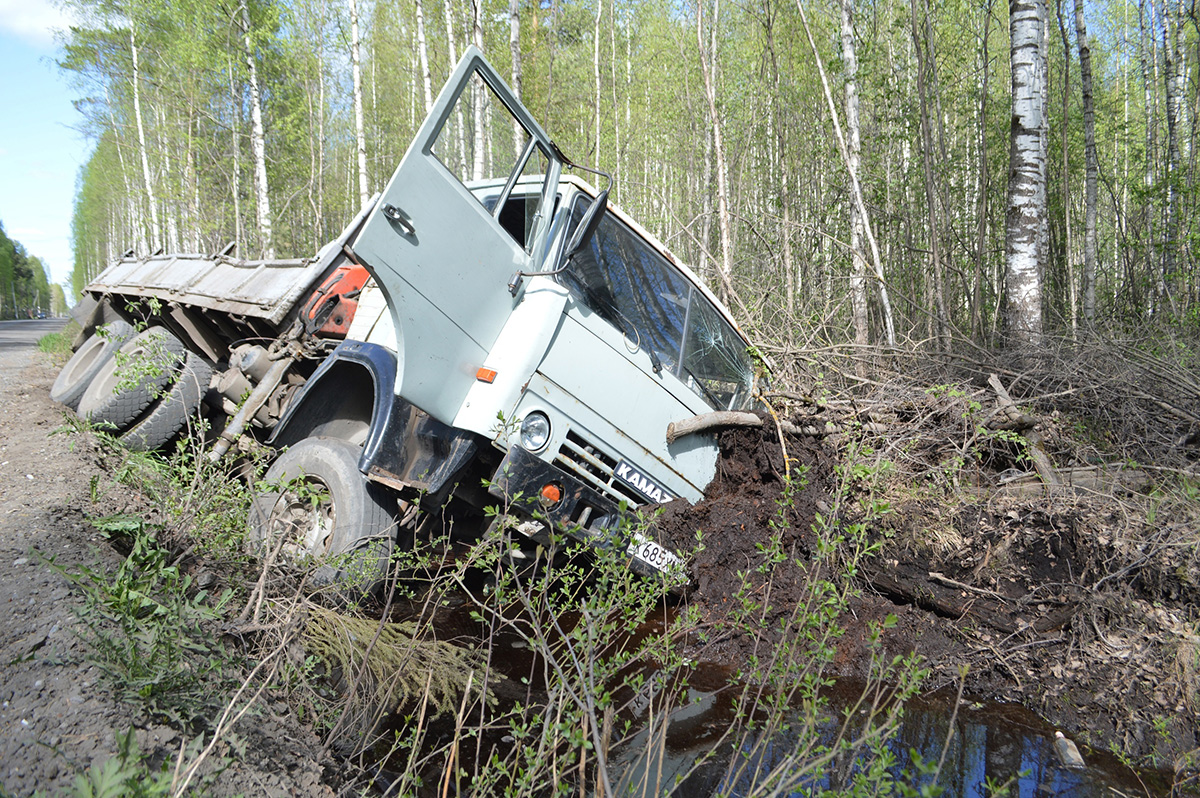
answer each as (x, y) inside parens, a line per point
(24, 333)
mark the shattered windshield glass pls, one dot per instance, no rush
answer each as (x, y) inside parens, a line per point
(628, 283)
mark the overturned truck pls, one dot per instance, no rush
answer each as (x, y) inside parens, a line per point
(519, 337)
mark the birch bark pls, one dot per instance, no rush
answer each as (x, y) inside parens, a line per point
(858, 271)
(856, 189)
(1026, 172)
(360, 136)
(514, 46)
(708, 67)
(423, 55)
(1175, 74)
(262, 206)
(153, 239)
(1091, 167)
(477, 162)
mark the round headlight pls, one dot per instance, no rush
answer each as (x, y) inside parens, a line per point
(535, 431)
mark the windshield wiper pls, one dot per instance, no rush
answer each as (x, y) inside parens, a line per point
(619, 321)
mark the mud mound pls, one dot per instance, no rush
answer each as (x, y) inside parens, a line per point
(748, 506)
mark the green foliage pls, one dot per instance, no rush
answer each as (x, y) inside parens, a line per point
(24, 289)
(149, 628)
(203, 504)
(126, 775)
(56, 345)
(616, 85)
(130, 774)
(605, 697)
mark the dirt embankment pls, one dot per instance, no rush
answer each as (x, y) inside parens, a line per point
(1077, 602)
(1080, 603)
(57, 720)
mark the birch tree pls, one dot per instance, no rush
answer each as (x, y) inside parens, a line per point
(423, 55)
(1175, 73)
(858, 269)
(1024, 256)
(258, 144)
(1091, 166)
(360, 136)
(852, 174)
(151, 200)
(708, 70)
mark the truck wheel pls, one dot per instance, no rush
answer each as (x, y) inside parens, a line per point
(87, 361)
(327, 514)
(167, 416)
(132, 379)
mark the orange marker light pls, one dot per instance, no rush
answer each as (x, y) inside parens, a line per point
(552, 493)
(486, 375)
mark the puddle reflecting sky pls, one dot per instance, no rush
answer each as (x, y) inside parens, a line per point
(1003, 743)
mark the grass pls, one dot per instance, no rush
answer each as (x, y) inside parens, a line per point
(599, 701)
(58, 345)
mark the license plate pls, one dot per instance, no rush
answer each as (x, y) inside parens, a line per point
(655, 556)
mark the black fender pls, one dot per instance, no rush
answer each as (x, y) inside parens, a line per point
(404, 448)
(351, 391)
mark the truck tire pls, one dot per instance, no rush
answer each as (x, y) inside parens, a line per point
(167, 416)
(132, 379)
(327, 515)
(87, 361)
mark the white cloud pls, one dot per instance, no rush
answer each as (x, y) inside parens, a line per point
(35, 21)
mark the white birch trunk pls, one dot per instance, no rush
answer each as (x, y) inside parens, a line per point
(1027, 172)
(151, 198)
(258, 141)
(360, 136)
(423, 54)
(856, 189)
(596, 74)
(477, 164)
(236, 145)
(708, 67)
(514, 46)
(1175, 74)
(858, 272)
(1091, 167)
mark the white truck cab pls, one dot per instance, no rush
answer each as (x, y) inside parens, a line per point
(519, 332)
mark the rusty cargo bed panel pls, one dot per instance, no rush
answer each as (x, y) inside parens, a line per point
(263, 289)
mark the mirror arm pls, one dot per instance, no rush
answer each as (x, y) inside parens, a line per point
(515, 283)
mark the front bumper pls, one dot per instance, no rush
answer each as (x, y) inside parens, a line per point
(582, 512)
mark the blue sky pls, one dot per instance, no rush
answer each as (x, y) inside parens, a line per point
(40, 151)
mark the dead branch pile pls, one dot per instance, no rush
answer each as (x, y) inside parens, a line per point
(1102, 411)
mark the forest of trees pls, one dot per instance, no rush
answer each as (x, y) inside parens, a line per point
(846, 170)
(24, 288)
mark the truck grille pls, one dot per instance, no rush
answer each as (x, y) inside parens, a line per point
(595, 468)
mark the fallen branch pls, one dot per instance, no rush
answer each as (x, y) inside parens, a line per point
(1037, 454)
(722, 419)
(725, 419)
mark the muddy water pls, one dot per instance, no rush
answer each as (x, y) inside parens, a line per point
(991, 744)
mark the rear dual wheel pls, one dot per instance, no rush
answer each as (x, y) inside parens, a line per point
(130, 381)
(87, 361)
(145, 391)
(170, 413)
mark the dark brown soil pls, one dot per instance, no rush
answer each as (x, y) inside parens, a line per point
(1062, 603)
(745, 507)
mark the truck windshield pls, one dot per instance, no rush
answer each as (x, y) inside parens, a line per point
(628, 283)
